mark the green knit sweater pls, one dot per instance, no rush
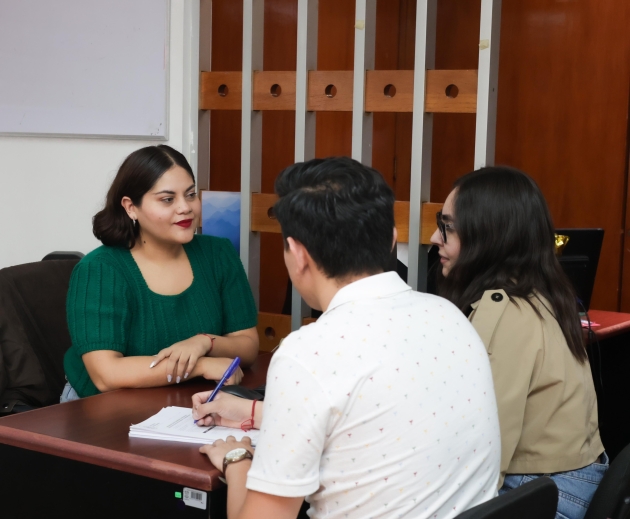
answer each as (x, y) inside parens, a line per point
(110, 306)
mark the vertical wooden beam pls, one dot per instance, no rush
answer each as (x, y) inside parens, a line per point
(251, 139)
(203, 125)
(304, 120)
(364, 47)
(488, 80)
(421, 141)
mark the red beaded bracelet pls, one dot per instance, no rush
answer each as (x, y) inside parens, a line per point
(211, 341)
(248, 424)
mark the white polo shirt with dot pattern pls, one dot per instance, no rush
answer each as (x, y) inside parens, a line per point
(384, 407)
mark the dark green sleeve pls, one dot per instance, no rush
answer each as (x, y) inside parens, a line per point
(239, 309)
(98, 308)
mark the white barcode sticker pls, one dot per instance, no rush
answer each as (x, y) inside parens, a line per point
(195, 498)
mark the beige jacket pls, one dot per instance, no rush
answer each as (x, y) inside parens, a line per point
(546, 398)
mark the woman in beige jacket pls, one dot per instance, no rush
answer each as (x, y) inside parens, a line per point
(496, 246)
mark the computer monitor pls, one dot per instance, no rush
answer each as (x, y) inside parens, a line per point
(579, 260)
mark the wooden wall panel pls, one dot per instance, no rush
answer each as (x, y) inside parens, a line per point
(225, 126)
(439, 83)
(562, 115)
(341, 85)
(562, 112)
(278, 127)
(457, 47)
(335, 51)
(384, 136)
(453, 134)
(406, 54)
(274, 90)
(280, 50)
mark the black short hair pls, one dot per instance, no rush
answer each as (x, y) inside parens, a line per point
(136, 176)
(341, 211)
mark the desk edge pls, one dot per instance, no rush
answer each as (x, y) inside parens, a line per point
(123, 461)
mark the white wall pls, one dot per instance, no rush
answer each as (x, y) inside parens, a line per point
(50, 188)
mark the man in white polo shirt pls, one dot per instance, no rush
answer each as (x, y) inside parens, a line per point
(385, 406)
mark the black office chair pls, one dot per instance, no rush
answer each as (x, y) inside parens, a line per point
(612, 498)
(33, 334)
(536, 499)
(63, 255)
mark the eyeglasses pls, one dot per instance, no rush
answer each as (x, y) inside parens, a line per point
(441, 225)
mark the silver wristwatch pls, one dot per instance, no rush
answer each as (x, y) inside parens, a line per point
(235, 455)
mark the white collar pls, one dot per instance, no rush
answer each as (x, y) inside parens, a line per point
(386, 284)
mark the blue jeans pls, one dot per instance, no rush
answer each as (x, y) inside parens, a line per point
(68, 394)
(575, 487)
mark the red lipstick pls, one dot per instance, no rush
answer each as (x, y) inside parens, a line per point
(184, 223)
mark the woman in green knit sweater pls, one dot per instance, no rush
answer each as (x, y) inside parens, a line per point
(156, 304)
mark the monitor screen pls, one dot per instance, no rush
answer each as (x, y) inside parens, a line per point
(579, 260)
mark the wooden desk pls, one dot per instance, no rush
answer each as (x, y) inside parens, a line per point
(611, 323)
(61, 449)
(609, 354)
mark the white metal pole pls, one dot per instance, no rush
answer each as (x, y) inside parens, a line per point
(190, 117)
(203, 120)
(251, 139)
(304, 120)
(364, 45)
(487, 86)
(421, 141)
(306, 60)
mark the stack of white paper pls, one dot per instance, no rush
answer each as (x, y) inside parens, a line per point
(176, 424)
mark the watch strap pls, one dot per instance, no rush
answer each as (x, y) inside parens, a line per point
(247, 456)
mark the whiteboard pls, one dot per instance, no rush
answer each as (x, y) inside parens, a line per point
(87, 68)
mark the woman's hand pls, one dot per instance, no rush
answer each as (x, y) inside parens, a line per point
(182, 357)
(214, 369)
(226, 410)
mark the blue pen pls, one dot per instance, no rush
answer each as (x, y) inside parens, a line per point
(228, 373)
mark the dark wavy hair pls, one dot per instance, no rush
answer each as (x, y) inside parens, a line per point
(507, 242)
(136, 176)
(341, 211)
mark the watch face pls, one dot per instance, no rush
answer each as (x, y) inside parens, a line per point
(236, 454)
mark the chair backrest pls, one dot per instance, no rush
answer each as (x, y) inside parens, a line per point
(63, 255)
(538, 498)
(33, 331)
(608, 501)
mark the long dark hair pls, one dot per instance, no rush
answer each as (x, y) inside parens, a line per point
(507, 242)
(137, 175)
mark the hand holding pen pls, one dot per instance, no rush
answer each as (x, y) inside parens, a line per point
(228, 373)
